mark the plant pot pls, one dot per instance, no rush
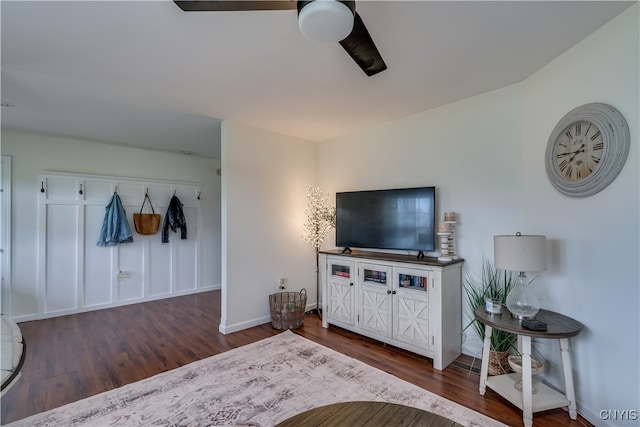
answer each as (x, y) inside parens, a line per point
(499, 362)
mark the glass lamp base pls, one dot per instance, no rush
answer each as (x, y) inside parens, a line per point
(523, 316)
(521, 301)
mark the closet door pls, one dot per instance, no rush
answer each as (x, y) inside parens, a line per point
(5, 234)
(158, 257)
(99, 268)
(186, 253)
(60, 246)
(131, 256)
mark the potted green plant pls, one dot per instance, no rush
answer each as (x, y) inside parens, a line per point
(495, 284)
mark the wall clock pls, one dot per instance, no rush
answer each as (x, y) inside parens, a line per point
(587, 149)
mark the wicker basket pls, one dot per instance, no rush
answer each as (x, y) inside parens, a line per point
(499, 362)
(287, 309)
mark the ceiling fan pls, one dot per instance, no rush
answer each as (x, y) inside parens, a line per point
(319, 20)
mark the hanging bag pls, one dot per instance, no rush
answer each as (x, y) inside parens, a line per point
(146, 223)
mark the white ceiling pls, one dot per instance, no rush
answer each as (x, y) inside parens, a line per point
(147, 74)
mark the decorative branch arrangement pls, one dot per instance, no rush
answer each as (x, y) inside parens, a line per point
(321, 218)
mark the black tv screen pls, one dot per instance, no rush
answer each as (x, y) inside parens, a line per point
(402, 219)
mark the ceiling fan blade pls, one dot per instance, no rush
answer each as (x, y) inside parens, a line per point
(359, 45)
(240, 5)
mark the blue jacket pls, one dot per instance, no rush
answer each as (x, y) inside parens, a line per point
(115, 227)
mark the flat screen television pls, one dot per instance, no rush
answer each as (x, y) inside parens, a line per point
(399, 219)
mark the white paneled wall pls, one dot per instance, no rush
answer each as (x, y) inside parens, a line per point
(78, 275)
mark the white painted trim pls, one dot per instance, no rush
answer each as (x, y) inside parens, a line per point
(229, 329)
(118, 178)
(5, 235)
(255, 322)
(48, 315)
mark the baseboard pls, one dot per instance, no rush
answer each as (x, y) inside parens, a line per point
(41, 316)
(229, 329)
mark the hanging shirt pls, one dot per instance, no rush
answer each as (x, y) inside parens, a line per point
(115, 227)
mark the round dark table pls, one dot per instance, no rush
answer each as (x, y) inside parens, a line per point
(370, 414)
(559, 327)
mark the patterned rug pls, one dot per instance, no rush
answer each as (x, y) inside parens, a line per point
(260, 384)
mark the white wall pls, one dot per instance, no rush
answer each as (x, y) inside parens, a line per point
(265, 181)
(32, 153)
(486, 157)
(460, 148)
(593, 275)
(465, 149)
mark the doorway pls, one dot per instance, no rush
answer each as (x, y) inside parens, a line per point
(5, 234)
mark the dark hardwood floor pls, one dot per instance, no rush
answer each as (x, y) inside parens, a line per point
(72, 357)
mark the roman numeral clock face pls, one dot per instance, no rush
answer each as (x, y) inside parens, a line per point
(578, 151)
(587, 149)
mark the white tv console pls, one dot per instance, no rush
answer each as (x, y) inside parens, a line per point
(411, 303)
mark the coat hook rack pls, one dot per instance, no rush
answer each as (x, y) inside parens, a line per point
(174, 192)
(80, 192)
(42, 186)
(115, 190)
(198, 195)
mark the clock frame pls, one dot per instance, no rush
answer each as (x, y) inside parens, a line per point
(587, 149)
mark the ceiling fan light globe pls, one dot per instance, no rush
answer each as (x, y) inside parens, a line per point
(327, 21)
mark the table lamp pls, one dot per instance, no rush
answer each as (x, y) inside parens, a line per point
(522, 253)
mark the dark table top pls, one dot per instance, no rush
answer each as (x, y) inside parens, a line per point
(370, 414)
(394, 257)
(558, 325)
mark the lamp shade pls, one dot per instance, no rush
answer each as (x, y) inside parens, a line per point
(520, 252)
(325, 20)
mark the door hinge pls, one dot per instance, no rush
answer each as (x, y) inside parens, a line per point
(433, 340)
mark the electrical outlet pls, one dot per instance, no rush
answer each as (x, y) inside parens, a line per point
(282, 284)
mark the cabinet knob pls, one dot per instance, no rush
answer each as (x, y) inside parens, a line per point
(351, 284)
(388, 291)
(393, 292)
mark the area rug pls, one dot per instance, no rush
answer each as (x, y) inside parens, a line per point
(260, 384)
